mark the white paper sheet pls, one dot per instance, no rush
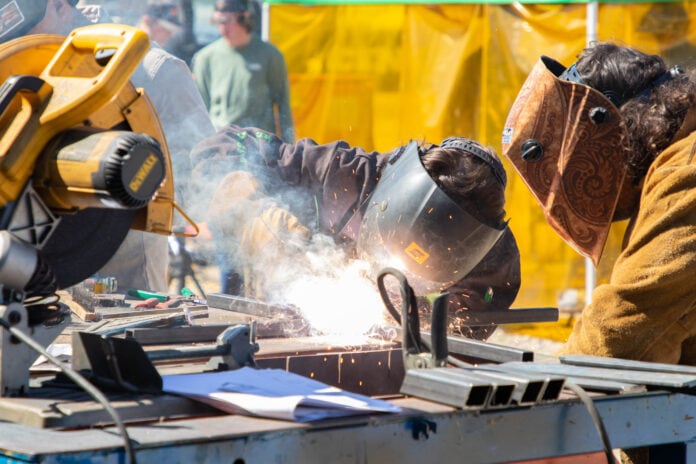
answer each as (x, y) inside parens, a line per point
(62, 351)
(273, 393)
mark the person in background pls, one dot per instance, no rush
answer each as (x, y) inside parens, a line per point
(162, 22)
(269, 199)
(243, 79)
(142, 260)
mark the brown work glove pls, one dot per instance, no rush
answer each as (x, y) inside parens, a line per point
(259, 234)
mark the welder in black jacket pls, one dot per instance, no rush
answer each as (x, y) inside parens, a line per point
(439, 209)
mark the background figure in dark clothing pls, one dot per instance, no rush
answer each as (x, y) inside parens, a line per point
(170, 25)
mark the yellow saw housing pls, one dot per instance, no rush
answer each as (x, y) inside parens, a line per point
(83, 82)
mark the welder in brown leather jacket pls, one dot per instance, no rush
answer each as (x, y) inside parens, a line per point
(271, 197)
(612, 137)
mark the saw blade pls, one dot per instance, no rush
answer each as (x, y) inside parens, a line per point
(83, 243)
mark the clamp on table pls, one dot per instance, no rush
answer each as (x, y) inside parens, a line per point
(415, 352)
(465, 386)
(123, 364)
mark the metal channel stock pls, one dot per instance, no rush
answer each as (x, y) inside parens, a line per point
(462, 392)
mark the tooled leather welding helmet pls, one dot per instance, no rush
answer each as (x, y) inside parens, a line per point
(410, 223)
(17, 17)
(564, 139)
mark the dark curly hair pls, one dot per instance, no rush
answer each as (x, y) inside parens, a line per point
(469, 181)
(652, 110)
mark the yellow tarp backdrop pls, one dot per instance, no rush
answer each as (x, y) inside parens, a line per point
(380, 75)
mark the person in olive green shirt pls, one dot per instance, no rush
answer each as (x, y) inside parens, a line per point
(243, 80)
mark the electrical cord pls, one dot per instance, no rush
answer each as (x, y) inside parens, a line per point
(80, 381)
(596, 419)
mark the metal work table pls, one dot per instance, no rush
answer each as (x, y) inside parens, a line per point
(424, 432)
(70, 427)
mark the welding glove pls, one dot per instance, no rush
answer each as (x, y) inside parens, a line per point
(261, 234)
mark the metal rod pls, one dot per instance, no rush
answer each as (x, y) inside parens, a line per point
(484, 350)
(245, 305)
(509, 316)
(192, 352)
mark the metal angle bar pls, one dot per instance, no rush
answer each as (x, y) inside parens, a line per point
(508, 316)
(113, 327)
(616, 363)
(130, 313)
(459, 392)
(484, 350)
(243, 305)
(171, 335)
(660, 379)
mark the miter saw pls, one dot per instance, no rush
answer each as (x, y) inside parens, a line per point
(83, 159)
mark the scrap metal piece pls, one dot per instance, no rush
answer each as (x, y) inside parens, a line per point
(655, 379)
(626, 364)
(272, 320)
(508, 316)
(109, 327)
(249, 306)
(485, 351)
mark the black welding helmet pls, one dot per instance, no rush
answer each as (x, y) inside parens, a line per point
(414, 226)
(17, 17)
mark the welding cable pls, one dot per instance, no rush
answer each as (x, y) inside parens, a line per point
(80, 381)
(408, 300)
(596, 419)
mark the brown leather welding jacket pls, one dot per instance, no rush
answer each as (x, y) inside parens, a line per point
(337, 179)
(647, 311)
